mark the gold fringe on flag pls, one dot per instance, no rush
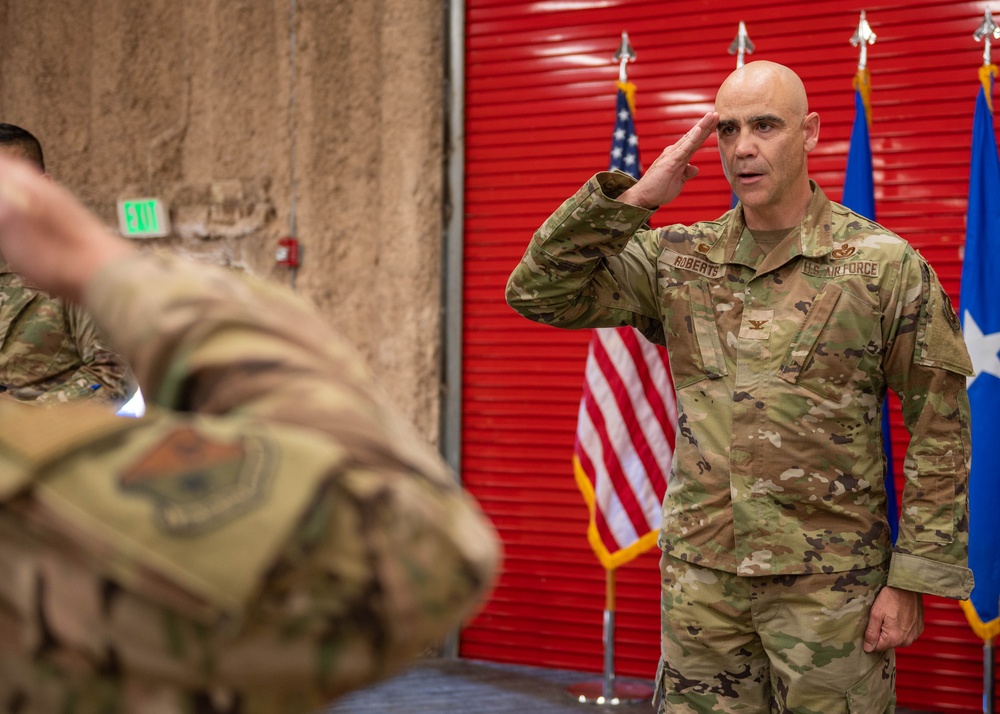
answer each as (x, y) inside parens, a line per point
(986, 630)
(629, 90)
(609, 560)
(863, 83)
(986, 74)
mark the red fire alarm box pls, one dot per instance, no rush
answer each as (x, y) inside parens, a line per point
(288, 252)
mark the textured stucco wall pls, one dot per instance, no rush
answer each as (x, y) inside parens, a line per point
(190, 100)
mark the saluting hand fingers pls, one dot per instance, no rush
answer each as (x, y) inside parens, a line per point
(688, 144)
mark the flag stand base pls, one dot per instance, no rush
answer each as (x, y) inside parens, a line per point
(610, 690)
(623, 692)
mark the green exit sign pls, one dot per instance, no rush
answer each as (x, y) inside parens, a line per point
(143, 218)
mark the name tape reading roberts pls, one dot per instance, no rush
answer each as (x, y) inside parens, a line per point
(696, 265)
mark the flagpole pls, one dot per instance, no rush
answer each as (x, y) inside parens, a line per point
(863, 36)
(741, 46)
(988, 676)
(987, 30)
(609, 635)
(609, 691)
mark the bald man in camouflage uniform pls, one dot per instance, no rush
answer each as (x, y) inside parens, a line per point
(786, 320)
(269, 536)
(50, 351)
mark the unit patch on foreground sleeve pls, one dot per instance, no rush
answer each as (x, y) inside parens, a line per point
(199, 484)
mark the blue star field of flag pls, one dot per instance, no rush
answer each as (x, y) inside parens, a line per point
(624, 142)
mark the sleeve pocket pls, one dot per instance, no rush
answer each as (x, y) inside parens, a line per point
(933, 512)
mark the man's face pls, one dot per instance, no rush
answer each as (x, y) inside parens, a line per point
(764, 140)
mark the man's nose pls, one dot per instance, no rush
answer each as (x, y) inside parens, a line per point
(745, 145)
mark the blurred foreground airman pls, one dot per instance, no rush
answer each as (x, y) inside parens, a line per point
(269, 536)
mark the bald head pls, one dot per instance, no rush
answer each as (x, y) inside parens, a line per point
(778, 83)
(765, 134)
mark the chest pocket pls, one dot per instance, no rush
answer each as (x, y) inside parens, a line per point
(838, 331)
(693, 343)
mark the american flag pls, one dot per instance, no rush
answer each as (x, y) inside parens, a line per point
(624, 142)
(628, 415)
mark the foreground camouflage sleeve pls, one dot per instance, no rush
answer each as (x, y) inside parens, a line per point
(290, 541)
(926, 363)
(102, 373)
(591, 264)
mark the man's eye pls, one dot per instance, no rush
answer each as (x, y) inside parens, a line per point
(764, 126)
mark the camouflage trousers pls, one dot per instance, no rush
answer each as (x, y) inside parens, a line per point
(770, 644)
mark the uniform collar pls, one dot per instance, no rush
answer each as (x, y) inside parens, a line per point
(815, 237)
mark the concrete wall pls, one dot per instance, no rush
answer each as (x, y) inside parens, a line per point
(193, 101)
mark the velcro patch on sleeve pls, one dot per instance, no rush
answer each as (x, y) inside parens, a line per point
(206, 503)
(197, 484)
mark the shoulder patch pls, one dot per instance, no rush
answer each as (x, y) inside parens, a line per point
(198, 484)
(949, 312)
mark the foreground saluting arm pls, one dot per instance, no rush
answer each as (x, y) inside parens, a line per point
(285, 541)
(591, 264)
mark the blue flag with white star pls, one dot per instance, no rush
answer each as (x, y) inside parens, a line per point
(859, 196)
(624, 141)
(980, 310)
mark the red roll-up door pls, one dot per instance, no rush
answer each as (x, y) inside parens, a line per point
(540, 100)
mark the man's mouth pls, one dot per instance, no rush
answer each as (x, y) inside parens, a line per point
(748, 176)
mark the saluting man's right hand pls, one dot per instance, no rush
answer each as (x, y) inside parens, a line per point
(663, 181)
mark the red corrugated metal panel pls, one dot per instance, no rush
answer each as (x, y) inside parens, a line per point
(539, 106)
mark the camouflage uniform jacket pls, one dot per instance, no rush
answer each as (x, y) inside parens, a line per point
(51, 352)
(780, 366)
(268, 536)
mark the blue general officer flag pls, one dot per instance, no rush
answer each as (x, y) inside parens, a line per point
(980, 306)
(859, 196)
(624, 141)
(859, 183)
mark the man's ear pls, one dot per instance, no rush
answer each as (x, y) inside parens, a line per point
(810, 128)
